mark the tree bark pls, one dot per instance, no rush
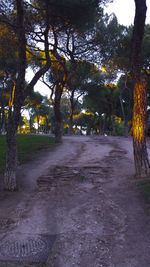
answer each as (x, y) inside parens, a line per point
(113, 125)
(58, 116)
(11, 156)
(14, 113)
(139, 110)
(20, 94)
(125, 121)
(71, 113)
(139, 128)
(104, 124)
(2, 127)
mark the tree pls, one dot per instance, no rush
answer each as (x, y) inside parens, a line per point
(80, 73)
(139, 110)
(19, 91)
(125, 85)
(73, 41)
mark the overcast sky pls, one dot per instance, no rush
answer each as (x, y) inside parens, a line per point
(125, 11)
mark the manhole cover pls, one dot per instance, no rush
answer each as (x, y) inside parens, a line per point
(23, 248)
(31, 248)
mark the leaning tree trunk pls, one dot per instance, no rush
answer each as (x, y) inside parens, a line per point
(139, 109)
(58, 116)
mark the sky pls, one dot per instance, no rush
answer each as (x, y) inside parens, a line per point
(124, 10)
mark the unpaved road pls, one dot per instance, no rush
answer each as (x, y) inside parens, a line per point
(77, 206)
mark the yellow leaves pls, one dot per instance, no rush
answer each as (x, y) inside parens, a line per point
(103, 69)
(54, 62)
(148, 71)
(117, 119)
(36, 119)
(40, 120)
(76, 116)
(37, 105)
(23, 130)
(88, 112)
(26, 123)
(29, 54)
(66, 125)
(3, 31)
(112, 85)
(51, 101)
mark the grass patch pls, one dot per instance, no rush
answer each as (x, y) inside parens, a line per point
(28, 147)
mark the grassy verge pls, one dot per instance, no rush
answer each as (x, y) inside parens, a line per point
(28, 147)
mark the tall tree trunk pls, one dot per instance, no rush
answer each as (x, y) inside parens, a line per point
(20, 94)
(139, 140)
(125, 121)
(2, 129)
(113, 125)
(71, 113)
(30, 123)
(139, 109)
(58, 116)
(100, 124)
(125, 128)
(11, 155)
(104, 124)
(14, 112)
(71, 123)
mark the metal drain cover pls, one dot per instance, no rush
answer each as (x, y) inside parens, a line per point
(30, 248)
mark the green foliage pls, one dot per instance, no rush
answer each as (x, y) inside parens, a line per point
(145, 48)
(65, 108)
(122, 54)
(119, 128)
(8, 50)
(77, 14)
(125, 85)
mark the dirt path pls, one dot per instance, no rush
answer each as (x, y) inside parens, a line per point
(77, 206)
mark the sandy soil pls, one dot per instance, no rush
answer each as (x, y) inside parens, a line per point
(84, 196)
